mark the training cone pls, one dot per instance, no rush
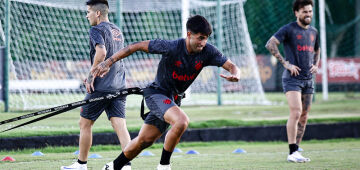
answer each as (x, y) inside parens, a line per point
(239, 151)
(300, 149)
(8, 158)
(37, 153)
(192, 152)
(177, 150)
(146, 153)
(95, 156)
(76, 152)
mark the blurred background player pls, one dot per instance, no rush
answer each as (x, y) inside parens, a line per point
(105, 40)
(182, 61)
(301, 48)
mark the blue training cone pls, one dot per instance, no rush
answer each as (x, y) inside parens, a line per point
(37, 153)
(192, 152)
(95, 156)
(177, 150)
(76, 152)
(146, 153)
(239, 151)
(300, 150)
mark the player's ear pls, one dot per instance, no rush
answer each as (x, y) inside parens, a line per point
(98, 13)
(188, 34)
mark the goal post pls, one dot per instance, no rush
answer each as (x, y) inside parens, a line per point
(49, 49)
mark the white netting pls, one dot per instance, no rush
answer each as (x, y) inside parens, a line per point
(50, 49)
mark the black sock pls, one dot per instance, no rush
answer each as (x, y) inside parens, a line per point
(165, 157)
(293, 147)
(81, 162)
(120, 161)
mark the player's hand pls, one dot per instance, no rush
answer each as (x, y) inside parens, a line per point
(101, 69)
(231, 78)
(89, 83)
(314, 69)
(294, 70)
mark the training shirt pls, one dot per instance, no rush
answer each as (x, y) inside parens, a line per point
(299, 47)
(177, 68)
(111, 37)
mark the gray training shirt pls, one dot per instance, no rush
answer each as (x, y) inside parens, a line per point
(111, 37)
(299, 47)
(177, 68)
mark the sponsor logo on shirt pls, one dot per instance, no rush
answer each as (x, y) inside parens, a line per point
(116, 35)
(198, 65)
(183, 77)
(178, 63)
(299, 36)
(305, 48)
(312, 37)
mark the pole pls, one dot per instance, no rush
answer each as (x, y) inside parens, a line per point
(185, 13)
(313, 23)
(118, 13)
(357, 29)
(323, 49)
(7, 54)
(219, 46)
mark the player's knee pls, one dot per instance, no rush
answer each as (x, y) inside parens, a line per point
(118, 123)
(296, 111)
(182, 124)
(84, 124)
(145, 142)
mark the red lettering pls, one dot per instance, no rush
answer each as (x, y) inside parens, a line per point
(183, 77)
(305, 48)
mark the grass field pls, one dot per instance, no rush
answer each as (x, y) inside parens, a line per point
(341, 107)
(326, 154)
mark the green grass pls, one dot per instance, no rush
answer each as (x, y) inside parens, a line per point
(341, 107)
(324, 154)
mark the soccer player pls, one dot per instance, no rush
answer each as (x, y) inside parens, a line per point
(301, 48)
(182, 61)
(105, 40)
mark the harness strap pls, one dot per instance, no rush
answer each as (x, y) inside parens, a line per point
(70, 106)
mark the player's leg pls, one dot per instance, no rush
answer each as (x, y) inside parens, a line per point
(147, 135)
(119, 126)
(179, 121)
(293, 88)
(85, 139)
(295, 106)
(306, 100)
(116, 114)
(88, 115)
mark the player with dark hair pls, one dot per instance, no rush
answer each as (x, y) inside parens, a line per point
(105, 39)
(301, 48)
(182, 61)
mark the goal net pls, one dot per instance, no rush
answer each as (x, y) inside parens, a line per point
(49, 49)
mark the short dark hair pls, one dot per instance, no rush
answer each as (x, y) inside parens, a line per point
(301, 3)
(99, 5)
(95, 2)
(198, 24)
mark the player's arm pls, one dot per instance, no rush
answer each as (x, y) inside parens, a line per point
(100, 54)
(233, 70)
(314, 68)
(272, 46)
(104, 67)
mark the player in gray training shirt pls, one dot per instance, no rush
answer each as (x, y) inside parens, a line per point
(182, 61)
(301, 48)
(105, 40)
